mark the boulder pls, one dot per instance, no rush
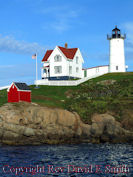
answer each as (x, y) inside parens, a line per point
(28, 123)
(107, 129)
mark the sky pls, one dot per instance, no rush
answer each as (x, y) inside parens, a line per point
(29, 26)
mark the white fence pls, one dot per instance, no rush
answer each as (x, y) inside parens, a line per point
(5, 87)
(60, 83)
(65, 82)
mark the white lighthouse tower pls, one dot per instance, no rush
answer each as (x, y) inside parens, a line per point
(116, 54)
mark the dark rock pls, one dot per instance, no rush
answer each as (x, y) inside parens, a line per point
(28, 123)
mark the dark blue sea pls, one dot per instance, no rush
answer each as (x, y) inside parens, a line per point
(92, 160)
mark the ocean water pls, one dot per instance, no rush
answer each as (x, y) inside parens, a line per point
(93, 160)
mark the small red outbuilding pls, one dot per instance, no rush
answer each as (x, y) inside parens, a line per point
(19, 92)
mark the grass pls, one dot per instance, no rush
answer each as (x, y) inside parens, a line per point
(51, 96)
(113, 76)
(55, 96)
(3, 97)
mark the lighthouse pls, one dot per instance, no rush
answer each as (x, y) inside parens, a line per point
(116, 51)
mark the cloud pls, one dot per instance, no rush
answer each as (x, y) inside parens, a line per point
(128, 27)
(10, 44)
(129, 45)
(63, 17)
(18, 73)
(6, 66)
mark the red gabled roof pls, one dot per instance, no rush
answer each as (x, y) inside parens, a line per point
(69, 53)
(47, 54)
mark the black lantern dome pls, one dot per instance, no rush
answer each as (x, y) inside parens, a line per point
(116, 33)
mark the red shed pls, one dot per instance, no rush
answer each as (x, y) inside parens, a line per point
(19, 92)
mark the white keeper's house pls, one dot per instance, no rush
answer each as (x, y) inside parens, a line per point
(65, 63)
(62, 63)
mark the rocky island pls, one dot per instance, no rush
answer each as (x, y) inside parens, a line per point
(29, 123)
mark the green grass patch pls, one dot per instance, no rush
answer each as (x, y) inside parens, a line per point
(113, 76)
(52, 96)
(88, 97)
(3, 97)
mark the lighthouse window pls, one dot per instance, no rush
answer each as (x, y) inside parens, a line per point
(116, 67)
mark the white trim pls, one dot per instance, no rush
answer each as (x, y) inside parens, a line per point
(64, 55)
(25, 90)
(80, 55)
(10, 87)
(5, 87)
(45, 61)
(17, 88)
(61, 52)
(69, 59)
(67, 82)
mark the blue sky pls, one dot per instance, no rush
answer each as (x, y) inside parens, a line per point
(29, 26)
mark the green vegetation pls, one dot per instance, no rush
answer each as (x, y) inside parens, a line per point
(3, 97)
(114, 76)
(108, 93)
(101, 97)
(51, 96)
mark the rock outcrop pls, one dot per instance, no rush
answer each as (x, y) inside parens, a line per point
(28, 123)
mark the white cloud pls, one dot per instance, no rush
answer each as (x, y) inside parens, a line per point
(128, 27)
(63, 17)
(7, 66)
(10, 44)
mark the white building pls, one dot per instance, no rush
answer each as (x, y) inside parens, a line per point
(116, 56)
(116, 53)
(98, 70)
(62, 63)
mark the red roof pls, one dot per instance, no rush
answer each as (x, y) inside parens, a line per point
(69, 53)
(47, 54)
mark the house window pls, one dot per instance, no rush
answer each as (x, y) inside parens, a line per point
(44, 71)
(70, 69)
(77, 60)
(57, 58)
(77, 69)
(58, 69)
(116, 67)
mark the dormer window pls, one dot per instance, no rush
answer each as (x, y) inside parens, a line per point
(57, 58)
(77, 60)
